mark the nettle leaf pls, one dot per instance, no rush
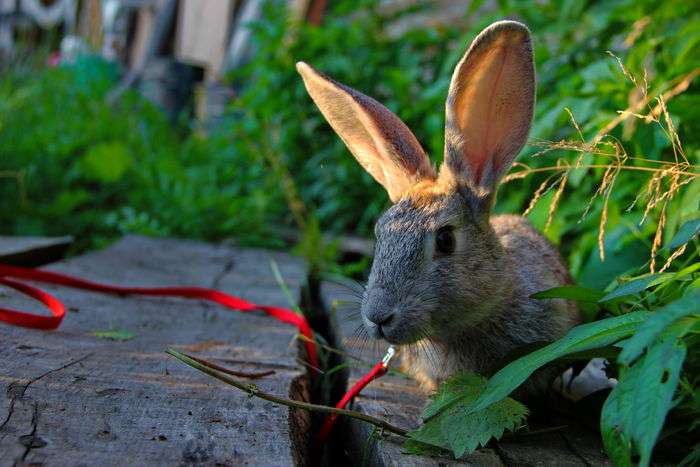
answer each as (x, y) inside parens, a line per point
(459, 429)
(635, 410)
(686, 233)
(637, 285)
(584, 337)
(655, 325)
(570, 292)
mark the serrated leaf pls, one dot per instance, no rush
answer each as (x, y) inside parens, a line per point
(635, 410)
(686, 233)
(570, 292)
(637, 285)
(460, 430)
(655, 325)
(584, 337)
(460, 386)
(413, 446)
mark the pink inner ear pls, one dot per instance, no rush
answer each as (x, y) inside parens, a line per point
(492, 101)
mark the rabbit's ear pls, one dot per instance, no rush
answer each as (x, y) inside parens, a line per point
(489, 105)
(378, 139)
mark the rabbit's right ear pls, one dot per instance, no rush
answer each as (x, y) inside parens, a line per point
(489, 105)
(378, 139)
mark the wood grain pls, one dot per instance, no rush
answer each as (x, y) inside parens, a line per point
(70, 398)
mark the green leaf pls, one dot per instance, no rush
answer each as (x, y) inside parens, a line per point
(115, 335)
(460, 430)
(637, 285)
(584, 337)
(570, 292)
(635, 410)
(686, 233)
(656, 324)
(106, 162)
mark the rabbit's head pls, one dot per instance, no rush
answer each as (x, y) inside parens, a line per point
(438, 266)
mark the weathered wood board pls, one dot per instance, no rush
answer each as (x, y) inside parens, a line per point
(68, 397)
(32, 251)
(400, 401)
(202, 34)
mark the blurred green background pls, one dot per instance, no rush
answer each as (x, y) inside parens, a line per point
(72, 164)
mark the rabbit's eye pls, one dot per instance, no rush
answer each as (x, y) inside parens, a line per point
(445, 240)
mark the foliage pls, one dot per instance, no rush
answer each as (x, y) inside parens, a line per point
(454, 425)
(97, 172)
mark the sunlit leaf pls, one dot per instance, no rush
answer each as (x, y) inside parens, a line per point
(637, 285)
(584, 337)
(656, 323)
(686, 233)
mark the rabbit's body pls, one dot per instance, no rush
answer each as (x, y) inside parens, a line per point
(450, 283)
(514, 321)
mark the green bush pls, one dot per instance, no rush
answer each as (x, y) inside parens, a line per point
(73, 164)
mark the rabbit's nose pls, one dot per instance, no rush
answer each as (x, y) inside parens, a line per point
(378, 308)
(381, 318)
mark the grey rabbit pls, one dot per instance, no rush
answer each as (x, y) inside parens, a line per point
(448, 277)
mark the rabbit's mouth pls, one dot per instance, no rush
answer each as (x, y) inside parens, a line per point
(393, 330)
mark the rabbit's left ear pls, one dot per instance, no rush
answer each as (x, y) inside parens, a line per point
(489, 105)
(378, 139)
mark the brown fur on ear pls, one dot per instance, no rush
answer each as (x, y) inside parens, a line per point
(378, 139)
(490, 105)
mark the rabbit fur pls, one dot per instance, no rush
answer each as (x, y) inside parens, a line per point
(450, 284)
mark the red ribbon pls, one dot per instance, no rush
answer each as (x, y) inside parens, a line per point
(377, 371)
(58, 312)
(28, 320)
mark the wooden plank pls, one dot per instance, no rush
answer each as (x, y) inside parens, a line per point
(71, 398)
(143, 28)
(33, 251)
(400, 401)
(202, 34)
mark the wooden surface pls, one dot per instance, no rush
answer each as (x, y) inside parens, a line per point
(399, 400)
(68, 397)
(32, 251)
(202, 34)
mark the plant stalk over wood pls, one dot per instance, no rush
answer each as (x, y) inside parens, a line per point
(253, 390)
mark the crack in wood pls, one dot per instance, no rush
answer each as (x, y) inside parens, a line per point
(574, 451)
(502, 455)
(16, 392)
(228, 267)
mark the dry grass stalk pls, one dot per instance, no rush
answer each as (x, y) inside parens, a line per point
(679, 251)
(679, 84)
(666, 177)
(637, 29)
(555, 200)
(658, 237)
(536, 197)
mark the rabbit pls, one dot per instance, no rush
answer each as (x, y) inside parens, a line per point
(450, 284)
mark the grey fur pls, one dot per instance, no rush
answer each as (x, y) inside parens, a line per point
(469, 309)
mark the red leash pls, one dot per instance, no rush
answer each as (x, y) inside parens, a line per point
(377, 371)
(58, 312)
(19, 318)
